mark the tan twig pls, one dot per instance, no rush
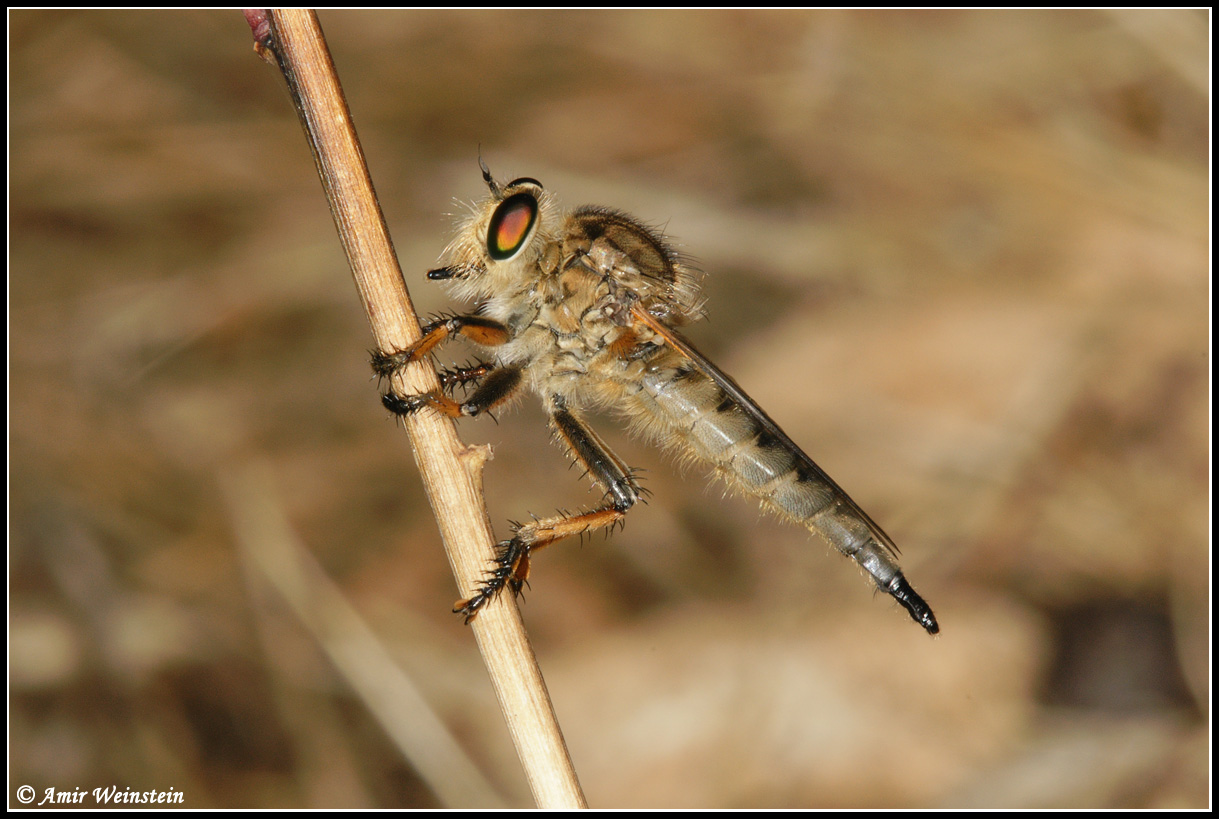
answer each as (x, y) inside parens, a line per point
(451, 470)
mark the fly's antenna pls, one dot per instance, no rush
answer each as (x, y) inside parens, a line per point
(491, 183)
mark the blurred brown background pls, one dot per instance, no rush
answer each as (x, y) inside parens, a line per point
(961, 257)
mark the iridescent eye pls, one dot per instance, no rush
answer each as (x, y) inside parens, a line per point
(511, 225)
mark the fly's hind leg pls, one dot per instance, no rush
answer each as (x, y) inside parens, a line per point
(622, 491)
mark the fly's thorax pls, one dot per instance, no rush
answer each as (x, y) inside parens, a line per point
(575, 308)
(577, 343)
(572, 302)
(636, 261)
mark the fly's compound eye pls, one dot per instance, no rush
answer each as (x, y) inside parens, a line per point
(511, 226)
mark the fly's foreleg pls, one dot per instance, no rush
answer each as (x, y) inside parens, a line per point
(479, 329)
(493, 386)
(622, 491)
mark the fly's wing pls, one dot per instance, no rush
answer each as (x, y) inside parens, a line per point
(764, 421)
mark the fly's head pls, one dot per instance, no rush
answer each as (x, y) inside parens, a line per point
(517, 236)
(506, 242)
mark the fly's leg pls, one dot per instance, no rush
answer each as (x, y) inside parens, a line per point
(470, 375)
(492, 386)
(495, 387)
(622, 491)
(480, 330)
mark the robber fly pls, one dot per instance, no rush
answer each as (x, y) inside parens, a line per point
(580, 309)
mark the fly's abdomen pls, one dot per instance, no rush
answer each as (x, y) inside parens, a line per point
(690, 412)
(701, 420)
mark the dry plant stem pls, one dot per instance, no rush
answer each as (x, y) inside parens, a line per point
(451, 470)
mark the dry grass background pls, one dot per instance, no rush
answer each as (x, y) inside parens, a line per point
(963, 257)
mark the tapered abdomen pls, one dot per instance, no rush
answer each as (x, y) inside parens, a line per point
(710, 418)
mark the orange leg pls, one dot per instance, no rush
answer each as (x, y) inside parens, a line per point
(622, 491)
(496, 387)
(480, 330)
(511, 566)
